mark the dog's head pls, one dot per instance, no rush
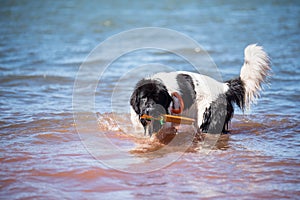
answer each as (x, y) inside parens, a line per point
(150, 97)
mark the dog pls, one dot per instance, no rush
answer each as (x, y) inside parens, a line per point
(189, 94)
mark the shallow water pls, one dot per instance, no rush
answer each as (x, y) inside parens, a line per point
(43, 44)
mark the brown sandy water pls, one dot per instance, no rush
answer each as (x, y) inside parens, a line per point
(45, 158)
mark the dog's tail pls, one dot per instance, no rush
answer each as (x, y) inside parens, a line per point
(255, 71)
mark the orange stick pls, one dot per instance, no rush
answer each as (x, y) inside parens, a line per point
(178, 119)
(172, 118)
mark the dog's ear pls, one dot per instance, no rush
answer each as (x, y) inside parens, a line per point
(135, 97)
(165, 99)
(134, 101)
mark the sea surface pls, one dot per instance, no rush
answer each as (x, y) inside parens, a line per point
(65, 132)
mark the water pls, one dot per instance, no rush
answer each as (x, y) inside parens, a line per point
(42, 45)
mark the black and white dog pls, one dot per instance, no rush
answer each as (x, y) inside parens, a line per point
(197, 96)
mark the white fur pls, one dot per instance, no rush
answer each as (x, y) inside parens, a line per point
(207, 90)
(254, 72)
(168, 79)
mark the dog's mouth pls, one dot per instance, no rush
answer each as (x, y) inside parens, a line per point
(151, 124)
(150, 118)
(145, 119)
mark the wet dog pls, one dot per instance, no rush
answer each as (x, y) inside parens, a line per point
(208, 101)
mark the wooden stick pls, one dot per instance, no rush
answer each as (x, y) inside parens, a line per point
(178, 119)
(171, 118)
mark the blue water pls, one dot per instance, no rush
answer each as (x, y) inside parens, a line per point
(44, 43)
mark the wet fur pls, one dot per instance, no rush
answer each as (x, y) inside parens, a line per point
(213, 106)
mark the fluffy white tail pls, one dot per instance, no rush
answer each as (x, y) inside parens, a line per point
(254, 72)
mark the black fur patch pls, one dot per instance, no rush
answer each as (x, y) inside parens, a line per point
(215, 117)
(150, 97)
(220, 112)
(236, 92)
(187, 89)
(152, 90)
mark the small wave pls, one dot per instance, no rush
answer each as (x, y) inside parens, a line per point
(247, 125)
(15, 80)
(119, 126)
